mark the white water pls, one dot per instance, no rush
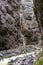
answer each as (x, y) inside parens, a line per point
(6, 60)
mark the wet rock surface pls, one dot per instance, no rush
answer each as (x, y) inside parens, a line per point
(29, 25)
(18, 51)
(22, 61)
(28, 59)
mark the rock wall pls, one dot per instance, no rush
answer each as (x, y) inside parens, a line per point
(38, 9)
(29, 25)
(10, 34)
(18, 24)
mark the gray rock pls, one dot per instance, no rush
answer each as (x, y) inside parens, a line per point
(10, 33)
(26, 60)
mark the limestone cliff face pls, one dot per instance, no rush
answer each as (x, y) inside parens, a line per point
(10, 34)
(18, 23)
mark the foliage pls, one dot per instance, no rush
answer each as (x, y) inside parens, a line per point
(39, 61)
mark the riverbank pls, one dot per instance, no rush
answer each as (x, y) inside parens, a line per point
(25, 58)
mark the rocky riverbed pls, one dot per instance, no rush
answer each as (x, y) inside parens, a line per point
(20, 56)
(23, 59)
(18, 51)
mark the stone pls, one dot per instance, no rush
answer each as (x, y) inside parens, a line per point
(26, 60)
(29, 24)
(10, 34)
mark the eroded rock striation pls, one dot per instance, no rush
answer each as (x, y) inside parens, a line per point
(10, 34)
(18, 24)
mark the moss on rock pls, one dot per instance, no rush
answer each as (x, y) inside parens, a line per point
(39, 61)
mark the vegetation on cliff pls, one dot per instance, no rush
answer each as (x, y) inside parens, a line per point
(39, 61)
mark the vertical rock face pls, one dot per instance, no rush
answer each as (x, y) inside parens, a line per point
(38, 8)
(10, 34)
(29, 24)
(17, 19)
